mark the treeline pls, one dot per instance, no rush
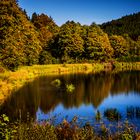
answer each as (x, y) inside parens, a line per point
(39, 40)
(129, 24)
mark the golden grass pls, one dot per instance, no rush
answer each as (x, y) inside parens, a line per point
(10, 81)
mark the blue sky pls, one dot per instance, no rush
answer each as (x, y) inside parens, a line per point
(83, 11)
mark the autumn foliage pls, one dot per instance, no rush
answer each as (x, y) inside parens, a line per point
(25, 41)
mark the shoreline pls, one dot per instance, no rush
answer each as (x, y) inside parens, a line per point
(10, 81)
(68, 130)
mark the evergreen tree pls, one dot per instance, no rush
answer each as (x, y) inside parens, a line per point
(126, 25)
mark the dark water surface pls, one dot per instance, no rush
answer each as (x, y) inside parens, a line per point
(41, 100)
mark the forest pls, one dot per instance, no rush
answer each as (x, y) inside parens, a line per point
(39, 40)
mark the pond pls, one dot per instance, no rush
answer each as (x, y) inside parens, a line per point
(42, 99)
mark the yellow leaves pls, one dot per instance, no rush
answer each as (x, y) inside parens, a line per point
(18, 36)
(120, 46)
(98, 45)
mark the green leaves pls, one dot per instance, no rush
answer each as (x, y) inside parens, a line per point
(68, 43)
(25, 42)
(97, 45)
(126, 25)
(4, 130)
(5, 118)
(119, 45)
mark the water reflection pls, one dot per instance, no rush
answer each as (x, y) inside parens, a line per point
(90, 90)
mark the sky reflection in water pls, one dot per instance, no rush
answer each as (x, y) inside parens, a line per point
(92, 92)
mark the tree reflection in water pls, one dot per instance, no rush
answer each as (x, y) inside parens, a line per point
(90, 89)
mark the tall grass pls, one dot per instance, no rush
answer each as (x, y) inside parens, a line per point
(64, 131)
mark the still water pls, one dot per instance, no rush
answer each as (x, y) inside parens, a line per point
(41, 100)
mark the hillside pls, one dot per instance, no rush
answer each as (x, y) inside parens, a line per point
(129, 24)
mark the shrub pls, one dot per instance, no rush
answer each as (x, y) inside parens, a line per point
(112, 114)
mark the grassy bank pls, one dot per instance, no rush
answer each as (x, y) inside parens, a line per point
(126, 66)
(10, 81)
